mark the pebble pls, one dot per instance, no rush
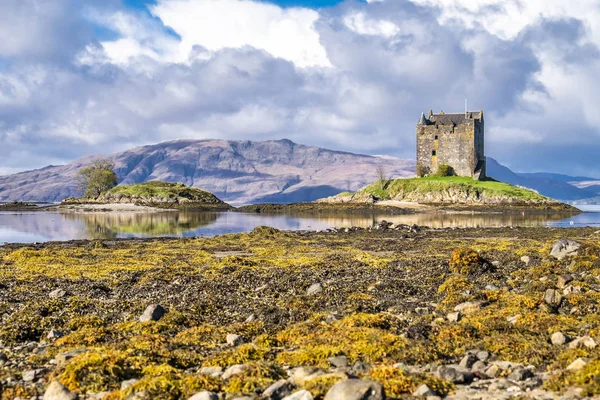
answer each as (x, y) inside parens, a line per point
(553, 297)
(236, 369)
(578, 364)
(454, 317)
(423, 391)
(129, 382)
(559, 338)
(57, 294)
(56, 391)
(469, 307)
(211, 371)
(301, 395)
(54, 334)
(153, 312)
(564, 280)
(234, 340)
(278, 390)
(338, 361)
(314, 289)
(526, 260)
(585, 341)
(204, 396)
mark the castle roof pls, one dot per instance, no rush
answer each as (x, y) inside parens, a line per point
(455, 119)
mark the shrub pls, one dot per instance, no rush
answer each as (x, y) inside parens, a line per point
(465, 261)
(422, 170)
(444, 170)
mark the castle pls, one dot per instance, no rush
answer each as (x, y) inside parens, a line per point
(455, 140)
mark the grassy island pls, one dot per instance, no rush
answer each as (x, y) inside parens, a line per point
(400, 306)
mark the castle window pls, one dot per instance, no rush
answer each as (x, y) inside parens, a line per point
(433, 153)
(436, 137)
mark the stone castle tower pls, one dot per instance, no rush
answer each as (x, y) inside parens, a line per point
(452, 139)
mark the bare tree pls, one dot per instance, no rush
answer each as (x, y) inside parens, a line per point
(381, 176)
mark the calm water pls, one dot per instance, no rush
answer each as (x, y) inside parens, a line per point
(46, 226)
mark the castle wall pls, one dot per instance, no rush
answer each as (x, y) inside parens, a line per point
(457, 146)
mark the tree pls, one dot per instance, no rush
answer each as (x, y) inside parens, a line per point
(97, 178)
(381, 176)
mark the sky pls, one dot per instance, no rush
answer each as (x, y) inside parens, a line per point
(80, 77)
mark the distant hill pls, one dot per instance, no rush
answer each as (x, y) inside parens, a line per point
(238, 172)
(247, 172)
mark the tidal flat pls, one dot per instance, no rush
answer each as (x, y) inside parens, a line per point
(456, 313)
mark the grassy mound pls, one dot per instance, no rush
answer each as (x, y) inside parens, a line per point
(432, 185)
(155, 189)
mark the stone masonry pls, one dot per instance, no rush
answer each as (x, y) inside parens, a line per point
(456, 140)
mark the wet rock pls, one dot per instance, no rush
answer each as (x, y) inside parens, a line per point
(553, 298)
(128, 383)
(468, 361)
(564, 248)
(56, 391)
(585, 341)
(153, 312)
(455, 374)
(278, 390)
(211, 371)
(559, 338)
(300, 395)
(469, 307)
(454, 317)
(338, 361)
(526, 260)
(204, 396)
(236, 369)
(356, 389)
(57, 294)
(578, 364)
(564, 280)
(423, 391)
(520, 374)
(234, 340)
(314, 289)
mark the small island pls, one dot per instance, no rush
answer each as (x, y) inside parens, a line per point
(148, 196)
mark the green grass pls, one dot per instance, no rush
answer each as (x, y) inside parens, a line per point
(163, 189)
(437, 184)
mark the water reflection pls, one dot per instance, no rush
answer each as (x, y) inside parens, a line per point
(45, 226)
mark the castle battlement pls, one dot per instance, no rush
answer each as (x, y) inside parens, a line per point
(456, 140)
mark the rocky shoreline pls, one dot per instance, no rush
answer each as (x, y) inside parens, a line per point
(391, 312)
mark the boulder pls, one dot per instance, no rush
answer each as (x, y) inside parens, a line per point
(585, 341)
(559, 338)
(468, 361)
(204, 396)
(301, 395)
(423, 391)
(57, 294)
(564, 248)
(338, 361)
(301, 375)
(578, 364)
(454, 317)
(211, 371)
(56, 391)
(356, 389)
(553, 298)
(153, 312)
(520, 374)
(278, 390)
(236, 369)
(234, 340)
(564, 280)
(456, 374)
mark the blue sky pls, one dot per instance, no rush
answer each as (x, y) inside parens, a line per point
(283, 3)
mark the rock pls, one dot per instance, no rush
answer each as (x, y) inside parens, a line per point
(456, 374)
(572, 289)
(423, 391)
(564, 248)
(483, 355)
(211, 371)
(585, 341)
(492, 371)
(553, 298)
(56, 391)
(520, 374)
(526, 260)
(578, 364)
(234, 340)
(454, 317)
(33, 375)
(314, 289)
(339, 361)
(469, 307)
(57, 294)
(479, 367)
(251, 318)
(301, 395)
(236, 369)
(559, 338)
(564, 280)
(491, 287)
(204, 396)
(54, 334)
(278, 390)
(356, 389)
(301, 375)
(153, 312)
(3, 359)
(360, 367)
(129, 382)
(468, 361)
(513, 320)
(422, 310)
(62, 358)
